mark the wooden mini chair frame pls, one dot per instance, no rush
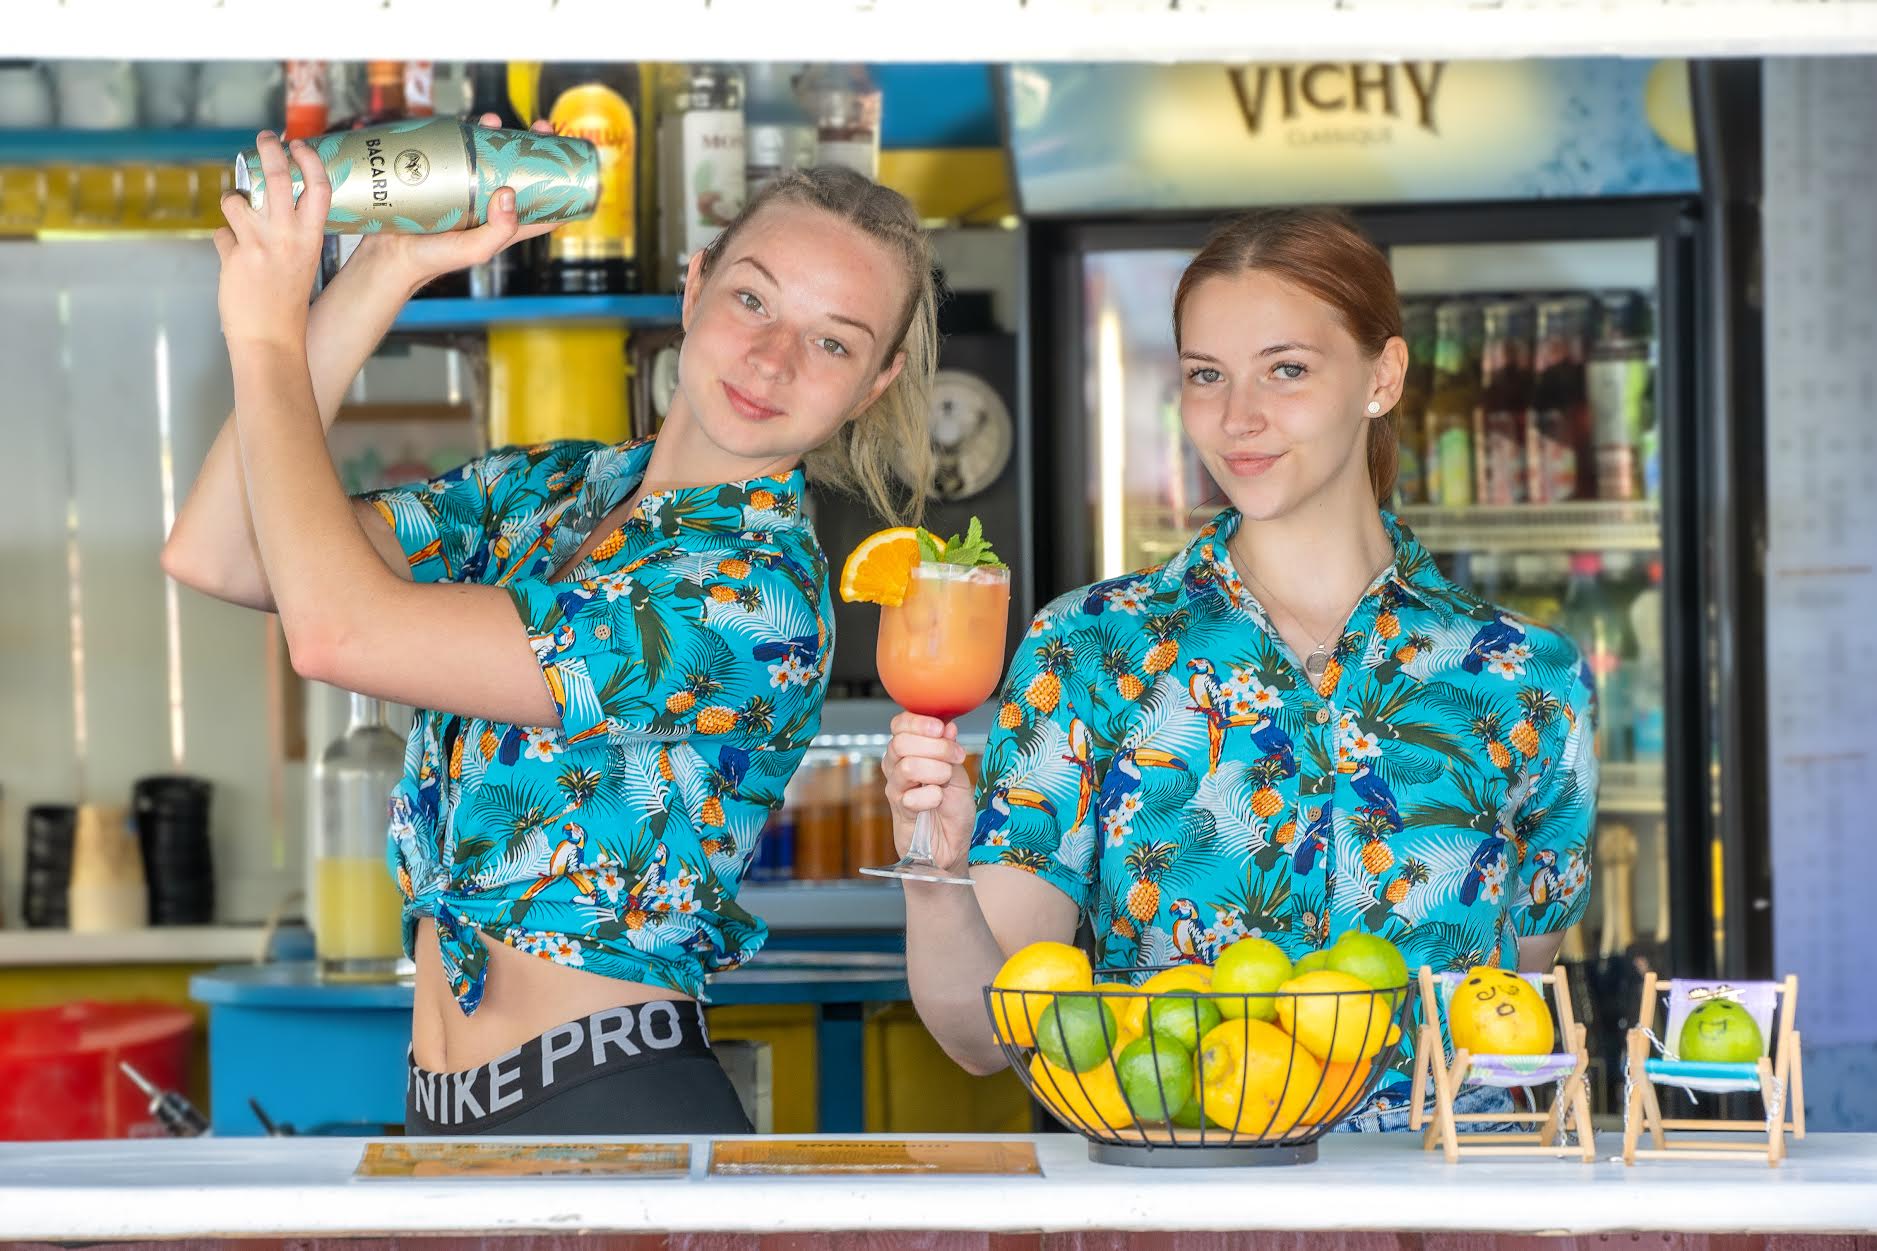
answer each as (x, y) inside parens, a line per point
(1777, 1076)
(1570, 1109)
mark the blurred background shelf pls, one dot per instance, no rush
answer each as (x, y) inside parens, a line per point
(837, 905)
(1633, 789)
(464, 314)
(1592, 526)
(88, 147)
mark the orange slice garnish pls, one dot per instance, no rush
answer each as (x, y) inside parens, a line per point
(880, 569)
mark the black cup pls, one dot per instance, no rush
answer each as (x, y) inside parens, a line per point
(171, 817)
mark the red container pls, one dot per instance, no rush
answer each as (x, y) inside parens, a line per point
(58, 1068)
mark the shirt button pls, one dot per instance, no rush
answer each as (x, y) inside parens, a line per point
(1323, 716)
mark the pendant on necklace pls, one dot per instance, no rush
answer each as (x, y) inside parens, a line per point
(1315, 665)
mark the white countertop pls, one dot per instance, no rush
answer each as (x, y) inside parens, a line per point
(304, 1186)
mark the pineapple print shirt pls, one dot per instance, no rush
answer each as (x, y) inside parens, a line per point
(687, 657)
(1161, 758)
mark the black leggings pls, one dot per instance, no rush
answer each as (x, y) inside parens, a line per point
(643, 1069)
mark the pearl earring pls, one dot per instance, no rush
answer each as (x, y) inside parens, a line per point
(1375, 406)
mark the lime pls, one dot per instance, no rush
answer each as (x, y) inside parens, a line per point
(1310, 962)
(1250, 966)
(1076, 1031)
(1370, 957)
(1183, 1018)
(1720, 1031)
(1157, 1078)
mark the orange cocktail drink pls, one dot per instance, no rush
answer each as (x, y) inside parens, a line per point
(941, 651)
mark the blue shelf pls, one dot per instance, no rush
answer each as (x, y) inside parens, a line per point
(633, 310)
(26, 147)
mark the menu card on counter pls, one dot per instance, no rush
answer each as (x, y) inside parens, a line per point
(797, 1157)
(482, 1160)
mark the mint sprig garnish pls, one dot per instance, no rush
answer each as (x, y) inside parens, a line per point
(972, 552)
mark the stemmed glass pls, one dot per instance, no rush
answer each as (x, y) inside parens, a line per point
(941, 654)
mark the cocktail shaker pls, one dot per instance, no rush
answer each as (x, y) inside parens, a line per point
(435, 174)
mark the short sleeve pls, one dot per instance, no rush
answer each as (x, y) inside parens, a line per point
(1041, 769)
(1558, 822)
(668, 651)
(444, 524)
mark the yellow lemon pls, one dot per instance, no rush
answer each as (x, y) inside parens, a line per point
(1497, 1013)
(1043, 967)
(1090, 1101)
(1336, 1016)
(1254, 1080)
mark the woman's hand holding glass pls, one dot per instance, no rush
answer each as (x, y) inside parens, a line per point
(925, 773)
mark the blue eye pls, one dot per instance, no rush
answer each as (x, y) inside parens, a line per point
(1204, 374)
(1300, 371)
(748, 300)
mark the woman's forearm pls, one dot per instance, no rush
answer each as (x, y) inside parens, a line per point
(212, 546)
(951, 955)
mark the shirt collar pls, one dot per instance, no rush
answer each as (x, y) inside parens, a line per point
(1413, 576)
(614, 471)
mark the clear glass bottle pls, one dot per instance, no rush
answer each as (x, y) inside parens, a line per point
(845, 103)
(355, 908)
(701, 163)
(778, 134)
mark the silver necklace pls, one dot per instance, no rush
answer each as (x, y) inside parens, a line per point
(1317, 663)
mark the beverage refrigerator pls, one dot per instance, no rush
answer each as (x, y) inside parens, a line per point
(1568, 428)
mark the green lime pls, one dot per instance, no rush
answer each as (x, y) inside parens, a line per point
(1076, 1031)
(1720, 1031)
(1371, 958)
(1183, 1018)
(1310, 962)
(1250, 966)
(1156, 1077)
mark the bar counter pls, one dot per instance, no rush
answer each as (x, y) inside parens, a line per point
(211, 1190)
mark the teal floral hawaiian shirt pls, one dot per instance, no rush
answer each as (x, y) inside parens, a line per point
(688, 659)
(1162, 760)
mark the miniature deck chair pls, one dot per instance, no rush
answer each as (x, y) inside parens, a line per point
(1775, 1075)
(1570, 1108)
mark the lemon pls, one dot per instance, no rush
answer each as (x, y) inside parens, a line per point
(1254, 1080)
(1496, 1013)
(1090, 1101)
(1044, 967)
(1335, 1016)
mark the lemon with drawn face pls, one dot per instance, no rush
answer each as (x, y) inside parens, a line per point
(1496, 1013)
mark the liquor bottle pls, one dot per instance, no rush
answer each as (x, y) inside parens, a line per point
(1417, 328)
(845, 104)
(351, 899)
(436, 174)
(601, 104)
(1558, 461)
(1505, 405)
(1616, 378)
(1594, 618)
(420, 88)
(701, 163)
(309, 99)
(510, 271)
(1448, 461)
(779, 134)
(384, 94)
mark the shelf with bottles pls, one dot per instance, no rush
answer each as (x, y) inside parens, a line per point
(1586, 525)
(452, 314)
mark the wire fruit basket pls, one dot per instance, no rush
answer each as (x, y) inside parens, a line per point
(1198, 1079)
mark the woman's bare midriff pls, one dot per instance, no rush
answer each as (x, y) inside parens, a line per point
(523, 998)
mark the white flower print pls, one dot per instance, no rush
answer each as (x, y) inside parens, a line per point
(1365, 746)
(1117, 828)
(1265, 698)
(1506, 664)
(1576, 876)
(1493, 881)
(543, 744)
(615, 585)
(997, 838)
(610, 882)
(564, 950)
(1129, 599)
(788, 671)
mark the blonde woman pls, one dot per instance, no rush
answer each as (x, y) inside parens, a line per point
(619, 653)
